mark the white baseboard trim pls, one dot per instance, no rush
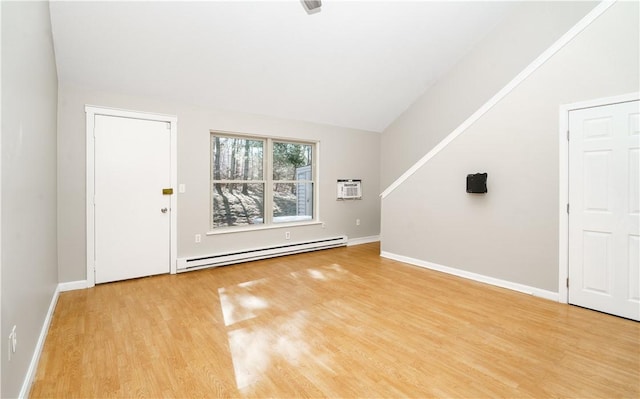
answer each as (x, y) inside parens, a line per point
(553, 296)
(33, 366)
(73, 285)
(362, 240)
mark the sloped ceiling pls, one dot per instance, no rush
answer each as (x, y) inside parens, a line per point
(353, 64)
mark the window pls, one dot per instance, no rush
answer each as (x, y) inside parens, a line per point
(261, 181)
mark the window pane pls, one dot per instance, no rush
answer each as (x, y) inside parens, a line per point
(292, 202)
(237, 204)
(292, 161)
(236, 158)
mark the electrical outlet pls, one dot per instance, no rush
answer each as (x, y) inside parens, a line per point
(198, 238)
(287, 235)
(182, 188)
(357, 222)
(324, 225)
(13, 342)
(14, 339)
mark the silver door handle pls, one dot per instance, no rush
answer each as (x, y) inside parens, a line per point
(164, 210)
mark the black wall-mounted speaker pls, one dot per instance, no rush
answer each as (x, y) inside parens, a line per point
(477, 183)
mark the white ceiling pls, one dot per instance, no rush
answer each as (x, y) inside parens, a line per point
(353, 64)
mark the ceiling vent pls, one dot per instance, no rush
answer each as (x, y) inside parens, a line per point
(312, 5)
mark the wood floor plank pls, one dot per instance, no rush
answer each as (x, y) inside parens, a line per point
(334, 323)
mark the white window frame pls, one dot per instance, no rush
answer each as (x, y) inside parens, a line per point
(267, 180)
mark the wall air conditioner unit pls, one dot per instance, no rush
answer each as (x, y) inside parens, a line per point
(349, 189)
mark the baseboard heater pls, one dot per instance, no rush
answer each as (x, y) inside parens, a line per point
(201, 262)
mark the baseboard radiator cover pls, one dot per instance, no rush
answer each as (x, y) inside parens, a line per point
(228, 258)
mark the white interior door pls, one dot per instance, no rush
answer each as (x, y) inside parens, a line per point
(132, 216)
(604, 198)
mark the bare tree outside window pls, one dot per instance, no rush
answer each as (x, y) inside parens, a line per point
(238, 181)
(293, 183)
(241, 189)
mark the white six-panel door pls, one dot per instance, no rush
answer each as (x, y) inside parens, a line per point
(604, 198)
(132, 216)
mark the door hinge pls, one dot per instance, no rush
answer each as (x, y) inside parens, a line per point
(567, 282)
(567, 208)
(567, 135)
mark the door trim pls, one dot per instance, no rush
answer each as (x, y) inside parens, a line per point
(91, 111)
(563, 216)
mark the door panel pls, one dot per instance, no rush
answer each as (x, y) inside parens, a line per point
(596, 181)
(632, 268)
(604, 198)
(597, 262)
(132, 166)
(634, 182)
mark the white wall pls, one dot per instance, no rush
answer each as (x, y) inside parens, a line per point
(29, 101)
(490, 65)
(511, 233)
(344, 153)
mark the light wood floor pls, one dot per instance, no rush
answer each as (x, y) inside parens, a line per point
(334, 323)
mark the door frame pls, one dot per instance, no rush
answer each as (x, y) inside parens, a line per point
(91, 112)
(563, 215)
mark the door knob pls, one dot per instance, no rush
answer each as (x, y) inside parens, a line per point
(164, 210)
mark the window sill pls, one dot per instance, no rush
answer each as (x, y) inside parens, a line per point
(243, 229)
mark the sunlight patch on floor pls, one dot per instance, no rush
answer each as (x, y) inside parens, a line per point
(259, 343)
(255, 349)
(239, 304)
